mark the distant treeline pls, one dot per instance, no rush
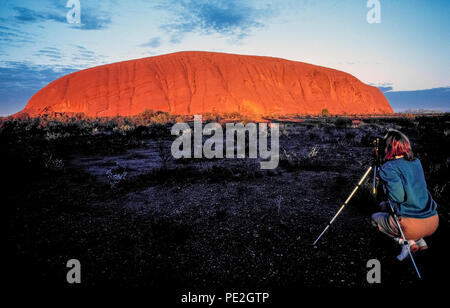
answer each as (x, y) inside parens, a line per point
(421, 111)
(57, 125)
(62, 125)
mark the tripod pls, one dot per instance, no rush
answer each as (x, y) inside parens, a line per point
(375, 167)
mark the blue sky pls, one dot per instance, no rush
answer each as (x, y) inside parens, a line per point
(407, 53)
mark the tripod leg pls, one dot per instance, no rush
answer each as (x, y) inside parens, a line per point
(345, 203)
(405, 242)
(375, 180)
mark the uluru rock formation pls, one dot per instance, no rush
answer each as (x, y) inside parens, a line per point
(200, 82)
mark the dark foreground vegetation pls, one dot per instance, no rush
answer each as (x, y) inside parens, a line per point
(108, 193)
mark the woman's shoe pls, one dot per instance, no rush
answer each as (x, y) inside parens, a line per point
(411, 245)
(422, 244)
(404, 253)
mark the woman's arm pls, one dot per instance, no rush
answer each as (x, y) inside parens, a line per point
(392, 183)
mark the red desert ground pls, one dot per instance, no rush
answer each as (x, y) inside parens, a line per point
(189, 83)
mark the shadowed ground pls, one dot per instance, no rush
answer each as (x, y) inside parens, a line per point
(213, 225)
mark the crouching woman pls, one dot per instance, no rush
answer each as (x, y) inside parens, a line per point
(405, 186)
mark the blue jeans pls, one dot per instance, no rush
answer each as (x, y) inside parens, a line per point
(385, 221)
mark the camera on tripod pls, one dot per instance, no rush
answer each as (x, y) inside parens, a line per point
(378, 160)
(379, 145)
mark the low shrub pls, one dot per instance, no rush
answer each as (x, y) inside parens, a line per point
(292, 161)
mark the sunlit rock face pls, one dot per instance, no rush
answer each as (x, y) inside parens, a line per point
(200, 82)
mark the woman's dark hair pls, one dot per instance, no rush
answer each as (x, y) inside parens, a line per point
(397, 144)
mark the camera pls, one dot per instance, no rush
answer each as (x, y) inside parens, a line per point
(379, 145)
